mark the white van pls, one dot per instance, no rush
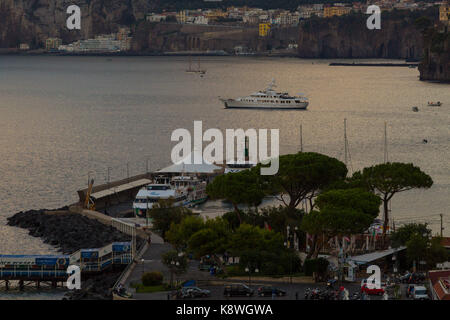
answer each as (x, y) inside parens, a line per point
(420, 293)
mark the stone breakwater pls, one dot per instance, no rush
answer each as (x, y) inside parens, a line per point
(67, 231)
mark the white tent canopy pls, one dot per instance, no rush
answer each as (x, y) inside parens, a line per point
(187, 165)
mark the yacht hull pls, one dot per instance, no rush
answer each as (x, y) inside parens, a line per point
(230, 103)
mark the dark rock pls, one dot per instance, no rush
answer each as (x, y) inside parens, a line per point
(69, 232)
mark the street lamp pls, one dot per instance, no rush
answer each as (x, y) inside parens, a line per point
(172, 265)
(247, 269)
(290, 262)
(143, 266)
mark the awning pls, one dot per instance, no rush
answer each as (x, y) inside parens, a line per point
(369, 257)
(121, 188)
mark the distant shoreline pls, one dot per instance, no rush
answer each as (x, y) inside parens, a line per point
(8, 52)
(3, 52)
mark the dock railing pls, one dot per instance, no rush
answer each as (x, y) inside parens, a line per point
(130, 267)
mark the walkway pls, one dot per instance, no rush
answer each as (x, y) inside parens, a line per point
(153, 262)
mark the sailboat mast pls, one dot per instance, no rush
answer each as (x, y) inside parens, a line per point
(301, 138)
(386, 159)
(345, 141)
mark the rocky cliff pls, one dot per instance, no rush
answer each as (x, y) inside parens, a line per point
(435, 64)
(348, 37)
(32, 21)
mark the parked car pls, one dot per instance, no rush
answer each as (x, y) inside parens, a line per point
(237, 289)
(267, 291)
(195, 292)
(413, 277)
(420, 293)
(371, 289)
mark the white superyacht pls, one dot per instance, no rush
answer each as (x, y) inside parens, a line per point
(268, 99)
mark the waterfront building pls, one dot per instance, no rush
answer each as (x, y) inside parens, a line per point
(444, 12)
(155, 17)
(264, 29)
(307, 11)
(214, 15)
(335, 11)
(24, 46)
(200, 20)
(287, 19)
(52, 44)
(251, 19)
(182, 16)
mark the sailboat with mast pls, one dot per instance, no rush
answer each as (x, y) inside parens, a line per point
(198, 70)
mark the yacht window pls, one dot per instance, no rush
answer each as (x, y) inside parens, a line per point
(157, 187)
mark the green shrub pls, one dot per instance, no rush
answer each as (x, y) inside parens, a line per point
(154, 278)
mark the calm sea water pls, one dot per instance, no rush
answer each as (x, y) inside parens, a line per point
(64, 117)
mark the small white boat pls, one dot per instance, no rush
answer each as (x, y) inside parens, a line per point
(434, 104)
(268, 99)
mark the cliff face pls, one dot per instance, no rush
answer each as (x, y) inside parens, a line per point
(435, 64)
(153, 37)
(32, 21)
(348, 37)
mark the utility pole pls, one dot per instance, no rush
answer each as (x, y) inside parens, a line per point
(442, 225)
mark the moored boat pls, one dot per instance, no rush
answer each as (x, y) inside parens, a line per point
(268, 99)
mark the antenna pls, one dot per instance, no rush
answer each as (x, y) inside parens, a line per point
(347, 157)
(386, 158)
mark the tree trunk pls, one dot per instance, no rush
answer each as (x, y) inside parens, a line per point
(312, 249)
(317, 247)
(237, 212)
(291, 205)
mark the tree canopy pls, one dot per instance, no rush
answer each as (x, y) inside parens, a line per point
(419, 243)
(163, 214)
(390, 178)
(341, 212)
(303, 175)
(239, 188)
